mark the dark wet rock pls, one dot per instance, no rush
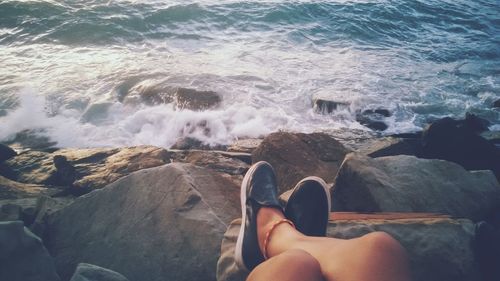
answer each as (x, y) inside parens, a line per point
(89, 272)
(6, 152)
(195, 100)
(295, 156)
(474, 123)
(390, 146)
(373, 119)
(182, 98)
(23, 256)
(457, 141)
(327, 106)
(496, 103)
(439, 249)
(380, 111)
(173, 217)
(409, 184)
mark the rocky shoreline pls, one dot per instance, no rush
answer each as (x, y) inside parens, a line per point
(150, 213)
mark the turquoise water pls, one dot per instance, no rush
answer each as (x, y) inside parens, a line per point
(66, 66)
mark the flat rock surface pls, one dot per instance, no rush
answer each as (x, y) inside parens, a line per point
(163, 223)
(409, 184)
(440, 249)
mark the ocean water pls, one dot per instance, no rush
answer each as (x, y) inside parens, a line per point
(66, 66)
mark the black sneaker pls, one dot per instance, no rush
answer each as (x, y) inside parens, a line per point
(259, 189)
(309, 206)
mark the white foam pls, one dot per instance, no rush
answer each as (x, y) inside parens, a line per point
(126, 125)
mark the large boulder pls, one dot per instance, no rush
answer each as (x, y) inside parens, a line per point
(163, 223)
(439, 249)
(458, 141)
(409, 184)
(23, 256)
(295, 156)
(83, 169)
(89, 272)
(6, 152)
(389, 146)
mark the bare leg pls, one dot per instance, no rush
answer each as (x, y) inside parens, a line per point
(291, 265)
(376, 256)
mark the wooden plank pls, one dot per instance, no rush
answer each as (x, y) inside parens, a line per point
(383, 216)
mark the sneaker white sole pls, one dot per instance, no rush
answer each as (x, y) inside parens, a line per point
(238, 252)
(325, 187)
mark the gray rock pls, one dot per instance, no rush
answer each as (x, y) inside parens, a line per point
(496, 103)
(89, 272)
(409, 184)
(439, 249)
(224, 162)
(10, 189)
(181, 98)
(84, 169)
(163, 223)
(23, 256)
(295, 156)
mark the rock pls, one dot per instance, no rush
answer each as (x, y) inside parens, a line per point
(89, 272)
(327, 106)
(96, 112)
(390, 146)
(23, 256)
(14, 190)
(373, 119)
(223, 162)
(181, 98)
(6, 152)
(187, 143)
(454, 141)
(496, 103)
(474, 123)
(32, 211)
(295, 156)
(380, 111)
(195, 100)
(18, 210)
(487, 250)
(244, 145)
(173, 216)
(84, 169)
(409, 184)
(440, 249)
(32, 139)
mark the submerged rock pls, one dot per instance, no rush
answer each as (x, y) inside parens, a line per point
(408, 184)
(496, 103)
(325, 106)
(23, 256)
(89, 272)
(439, 249)
(295, 156)
(374, 118)
(163, 223)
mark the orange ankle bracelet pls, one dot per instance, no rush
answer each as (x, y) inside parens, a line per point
(268, 234)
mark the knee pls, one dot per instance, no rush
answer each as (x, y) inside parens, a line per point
(305, 266)
(382, 242)
(300, 257)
